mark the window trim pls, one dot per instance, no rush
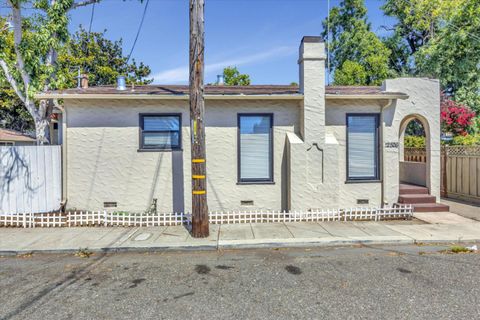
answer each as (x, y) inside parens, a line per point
(375, 178)
(269, 180)
(143, 148)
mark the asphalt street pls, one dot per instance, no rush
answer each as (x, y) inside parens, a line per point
(397, 282)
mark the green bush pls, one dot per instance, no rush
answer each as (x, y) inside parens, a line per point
(468, 140)
(414, 142)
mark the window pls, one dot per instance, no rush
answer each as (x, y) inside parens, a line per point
(160, 132)
(255, 148)
(7, 143)
(362, 147)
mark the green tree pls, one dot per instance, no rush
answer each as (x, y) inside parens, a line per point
(453, 55)
(29, 47)
(12, 112)
(233, 77)
(353, 47)
(100, 58)
(417, 21)
(37, 54)
(439, 39)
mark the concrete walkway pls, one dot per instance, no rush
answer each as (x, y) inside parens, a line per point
(466, 209)
(442, 227)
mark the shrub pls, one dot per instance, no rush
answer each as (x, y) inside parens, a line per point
(467, 140)
(414, 142)
(455, 117)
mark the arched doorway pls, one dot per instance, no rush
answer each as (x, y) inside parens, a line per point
(414, 151)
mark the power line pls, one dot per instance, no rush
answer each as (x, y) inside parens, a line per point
(139, 29)
(91, 19)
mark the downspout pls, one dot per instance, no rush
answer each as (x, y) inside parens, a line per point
(64, 153)
(382, 154)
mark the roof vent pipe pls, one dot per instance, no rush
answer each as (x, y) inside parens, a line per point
(121, 84)
(220, 80)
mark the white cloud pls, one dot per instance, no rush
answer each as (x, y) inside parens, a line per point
(180, 74)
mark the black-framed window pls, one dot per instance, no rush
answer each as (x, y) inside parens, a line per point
(363, 146)
(160, 131)
(255, 147)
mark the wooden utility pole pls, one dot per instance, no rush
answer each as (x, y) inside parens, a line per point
(197, 114)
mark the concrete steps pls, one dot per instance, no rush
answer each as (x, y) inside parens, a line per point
(430, 207)
(420, 199)
(416, 198)
(412, 189)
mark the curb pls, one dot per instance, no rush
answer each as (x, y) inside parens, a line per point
(234, 244)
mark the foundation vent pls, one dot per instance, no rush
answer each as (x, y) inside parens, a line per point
(362, 201)
(246, 202)
(109, 204)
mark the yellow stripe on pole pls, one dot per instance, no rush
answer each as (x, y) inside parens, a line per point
(198, 160)
(199, 192)
(198, 177)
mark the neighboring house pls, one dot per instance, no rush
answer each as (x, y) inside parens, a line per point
(15, 138)
(268, 147)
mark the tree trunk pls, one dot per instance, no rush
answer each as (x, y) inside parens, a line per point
(42, 121)
(42, 131)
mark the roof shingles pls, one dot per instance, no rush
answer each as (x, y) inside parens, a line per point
(218, 90)
(12, 135)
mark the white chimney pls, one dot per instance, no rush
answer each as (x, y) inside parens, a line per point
(312, 85)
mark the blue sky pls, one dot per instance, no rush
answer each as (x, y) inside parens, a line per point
(260, 37)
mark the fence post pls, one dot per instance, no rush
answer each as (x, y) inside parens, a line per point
(443, 170)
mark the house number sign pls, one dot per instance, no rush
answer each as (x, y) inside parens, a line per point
(391, 145)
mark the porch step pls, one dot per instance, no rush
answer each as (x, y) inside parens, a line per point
(430, 207)
(416, 198)
(412, 189)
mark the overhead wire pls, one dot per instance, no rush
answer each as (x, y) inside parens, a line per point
(139, 30)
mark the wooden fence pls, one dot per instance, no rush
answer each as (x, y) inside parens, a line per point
(30, 179)
(461, 172)
(415, 154)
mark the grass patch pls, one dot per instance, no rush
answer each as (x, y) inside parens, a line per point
(457, 249)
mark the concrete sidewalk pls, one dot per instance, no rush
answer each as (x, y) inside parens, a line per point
(441, 227)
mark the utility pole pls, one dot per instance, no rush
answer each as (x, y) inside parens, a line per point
(197, 114)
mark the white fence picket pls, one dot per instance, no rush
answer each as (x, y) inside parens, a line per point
(104, 218)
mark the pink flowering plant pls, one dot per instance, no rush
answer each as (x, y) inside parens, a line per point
(455, 117)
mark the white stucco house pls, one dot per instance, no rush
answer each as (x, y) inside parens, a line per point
(268, 147)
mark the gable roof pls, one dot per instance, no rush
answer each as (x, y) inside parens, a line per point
(220, 92)
(12, 135)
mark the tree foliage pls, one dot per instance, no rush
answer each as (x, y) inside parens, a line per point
(439, 39)
(36, 55)
(356, 54)
(233, 77)
(100, 58)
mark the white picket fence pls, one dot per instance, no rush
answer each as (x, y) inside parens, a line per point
(109, 219)
(30, 179)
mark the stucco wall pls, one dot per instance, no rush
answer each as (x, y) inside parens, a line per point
(103, 163)
(424, 104)
(413, 172)
(336, 114)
